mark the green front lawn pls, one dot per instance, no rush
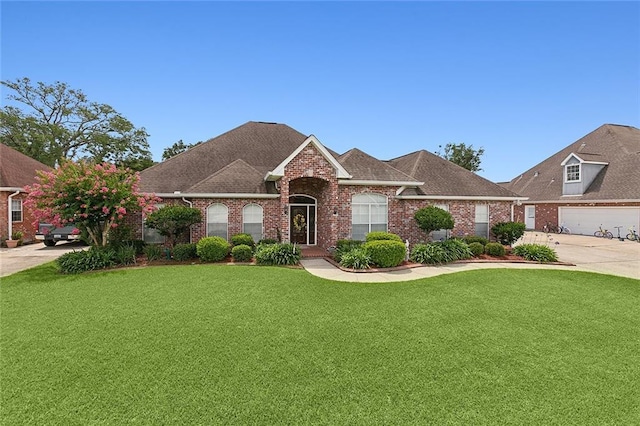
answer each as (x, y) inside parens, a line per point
(210, 344)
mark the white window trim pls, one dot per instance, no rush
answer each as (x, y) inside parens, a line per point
(208, 221)
(386, 204)
(566, 173)
(13, 200)
(245, 222)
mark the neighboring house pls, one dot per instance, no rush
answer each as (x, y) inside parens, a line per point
(16, 171)
(594, 181)
(270, 181)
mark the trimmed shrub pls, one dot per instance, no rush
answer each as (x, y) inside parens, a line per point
(173, 221)
(494, 249)
(242, 253)
(508, 232)
(457, 249)
(345, 246)
(475, 239)
(382, 236)
(94, 258)
(432, 218)
(476, 248)
(212, 249)
(153, 252)
(386, 253)
(278, 254)
(242, 239)
(536, 252)
(267, 241)
(185, 251)
(356, 258)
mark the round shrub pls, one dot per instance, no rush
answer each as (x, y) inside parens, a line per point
(475, 239)
(476, 248)
(185, 251)
(356, 258)
(242, 253)
(386, 253)
(242, 239)
(494, 249)
(267, 241)
(382, 236)
(508, 232)
(212, 249)
(432, 218)
(536, 252)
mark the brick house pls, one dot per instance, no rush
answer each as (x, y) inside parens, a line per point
(16, 171)
(593, 181)
(270, 181)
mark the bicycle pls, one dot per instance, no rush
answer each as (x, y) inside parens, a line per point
(563, 230)
(603, 233)
(633, 235)
(549, 228)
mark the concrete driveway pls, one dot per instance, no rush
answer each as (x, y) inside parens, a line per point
(27, 256)
(592, 254)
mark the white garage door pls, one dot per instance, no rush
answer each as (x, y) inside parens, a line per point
(586, 220)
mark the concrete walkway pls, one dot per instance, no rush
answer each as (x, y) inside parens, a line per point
(324, 269)
(30, 255)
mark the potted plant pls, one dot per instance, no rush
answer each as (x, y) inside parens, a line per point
(16, 236)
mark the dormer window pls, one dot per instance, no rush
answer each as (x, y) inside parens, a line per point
(572, 173)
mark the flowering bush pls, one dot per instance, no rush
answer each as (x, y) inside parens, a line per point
(94, 197)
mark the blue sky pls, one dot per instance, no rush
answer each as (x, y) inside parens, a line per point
(520, 79)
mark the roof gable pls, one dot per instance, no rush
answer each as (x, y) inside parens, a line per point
(278, 171)
(442, 178)
(616, 146)
(364, 167)
(17, 169)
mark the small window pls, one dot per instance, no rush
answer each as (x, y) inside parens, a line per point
(573, 173)
(482, 220)
(16, 210)
(218, 221)
(368, 213)
(252, 221)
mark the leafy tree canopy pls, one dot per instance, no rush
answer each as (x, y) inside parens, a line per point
(173, 221)
(432, 218)
(463, 155)
(54, 122)
(94, 197)
(177, 148)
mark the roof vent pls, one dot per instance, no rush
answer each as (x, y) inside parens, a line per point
(536, 174)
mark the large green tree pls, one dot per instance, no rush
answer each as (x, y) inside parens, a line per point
(463, 155)
(177, 148)
(53, 122)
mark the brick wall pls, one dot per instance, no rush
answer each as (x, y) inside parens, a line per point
(26, 225)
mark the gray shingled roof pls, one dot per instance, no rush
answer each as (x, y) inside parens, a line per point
(17, 169)
(617, 145)
(444, 178)
(261, 146)
(362, 166)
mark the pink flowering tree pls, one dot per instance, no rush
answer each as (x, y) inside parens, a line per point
(93, 197)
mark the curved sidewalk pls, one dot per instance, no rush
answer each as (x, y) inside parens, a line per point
(324, 269)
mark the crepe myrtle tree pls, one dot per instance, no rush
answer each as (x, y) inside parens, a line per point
(94, 197)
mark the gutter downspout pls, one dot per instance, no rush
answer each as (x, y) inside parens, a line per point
(190, 205)
(9, 221)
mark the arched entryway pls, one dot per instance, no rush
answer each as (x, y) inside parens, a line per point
(302, 219)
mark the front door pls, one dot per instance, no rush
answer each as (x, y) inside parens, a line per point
(530, 217)
(302, 224)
